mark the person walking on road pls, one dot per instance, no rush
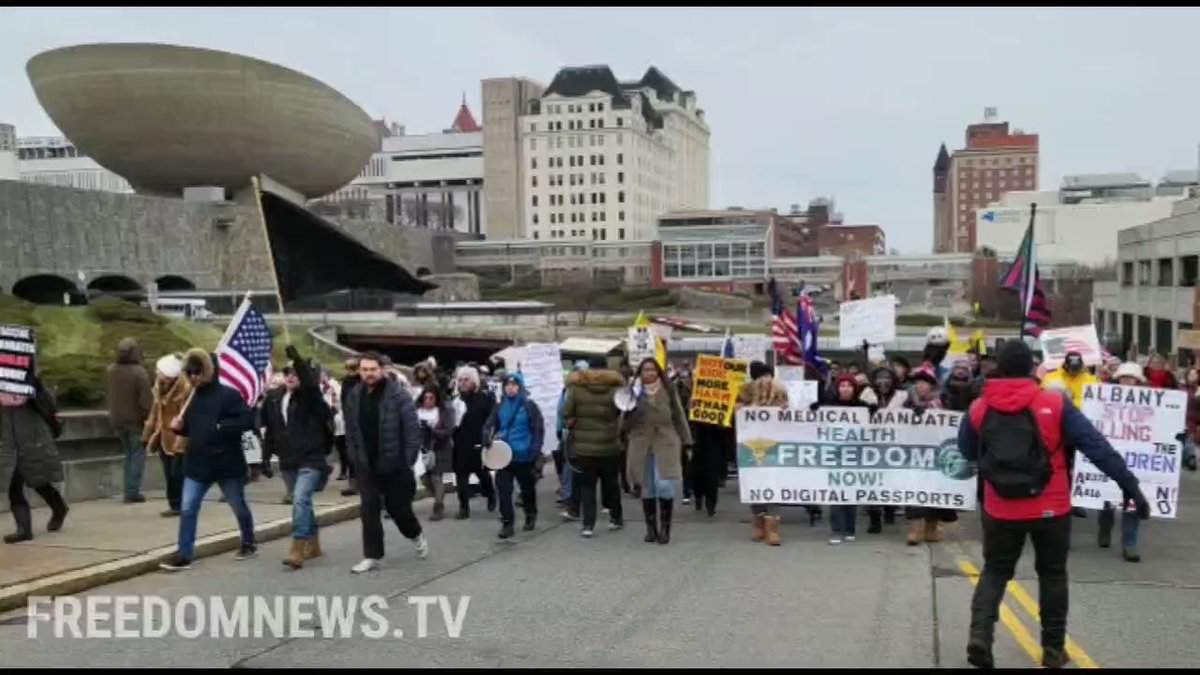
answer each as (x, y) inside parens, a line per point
(383, 439)
(299, 431)
(518, 422)
(28, 457)
(761, 391)
(213, 424)
(592, 444)
(925, 523)
(436, 418)
(171, 392)
(1019, 434)
(658, 438)
(468, 441)
(1126, 375)
(129, 402)
(345, 461)
(843, 518)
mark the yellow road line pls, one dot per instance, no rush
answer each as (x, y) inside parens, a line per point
(1077, 654)
(1009, 619)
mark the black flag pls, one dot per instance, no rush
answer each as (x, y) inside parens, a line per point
(314, 257)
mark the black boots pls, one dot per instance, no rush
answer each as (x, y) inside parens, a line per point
(506, 530)
(876, 525)
(1107, 519)
(23, 518)
(665, 507)
(530, 522)
(979, 651)
(648, 509)
(1054, 657)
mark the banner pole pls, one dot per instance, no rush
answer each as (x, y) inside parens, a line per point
(262, 219)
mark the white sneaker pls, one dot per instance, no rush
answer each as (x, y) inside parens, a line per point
(422, 547)
(586, 534)
(849, 537)
(687, 501)
(367, 565)
(835, 540)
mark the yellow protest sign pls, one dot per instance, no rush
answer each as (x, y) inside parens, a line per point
(715, 389)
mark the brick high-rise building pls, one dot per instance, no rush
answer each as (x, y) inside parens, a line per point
(505, 100)
(993, 162)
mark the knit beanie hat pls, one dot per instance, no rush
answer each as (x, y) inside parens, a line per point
(1015, 359)
(759, 369)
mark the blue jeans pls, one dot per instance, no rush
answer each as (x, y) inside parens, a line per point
(135, 460)
(304, 482)
(193, 497)
(1129, 525)
(652, 486)
(842, 519)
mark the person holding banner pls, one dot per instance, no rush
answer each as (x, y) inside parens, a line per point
(1127, 375)
(28, 456)
(924, 523)
(658, 435)
(170, 393)
(763, 392)
(1019, 435)
(843, 517)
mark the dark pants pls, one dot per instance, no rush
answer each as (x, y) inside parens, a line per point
(605, 470)
(172, 466)
(391, 491)
(1002, 544)
(708, 461)
(462, 483)
(687, 476)
(621, 462)
(18, 503)
(345, 468)
(522, 472)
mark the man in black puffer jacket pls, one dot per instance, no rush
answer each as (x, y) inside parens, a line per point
(299, 428)
(213, 422)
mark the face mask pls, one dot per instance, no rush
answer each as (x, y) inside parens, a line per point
(1074, 366)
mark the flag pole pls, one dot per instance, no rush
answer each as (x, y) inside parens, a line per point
(262, 219)
(1032, 263)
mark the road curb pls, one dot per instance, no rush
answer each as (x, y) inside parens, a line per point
(78, 580)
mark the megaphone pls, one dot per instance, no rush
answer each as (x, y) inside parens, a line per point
(624, 399)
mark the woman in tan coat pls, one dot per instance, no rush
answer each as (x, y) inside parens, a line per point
(170, 395)
(658, 436)
(762, 391)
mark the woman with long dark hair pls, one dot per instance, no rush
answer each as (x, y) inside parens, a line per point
(28, 456)
(436, 417)
(658, 437)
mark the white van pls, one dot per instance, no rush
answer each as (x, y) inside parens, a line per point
(183, 308)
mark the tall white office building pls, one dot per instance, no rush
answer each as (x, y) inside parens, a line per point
(603, 159)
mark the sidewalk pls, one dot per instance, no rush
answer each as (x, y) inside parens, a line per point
(104, 540)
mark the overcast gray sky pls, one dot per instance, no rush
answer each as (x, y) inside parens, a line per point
(846, 103)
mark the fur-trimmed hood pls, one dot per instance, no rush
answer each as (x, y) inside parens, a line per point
(765, 392)
(595, 379)
(206, 362)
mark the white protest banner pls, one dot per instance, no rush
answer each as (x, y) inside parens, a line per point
(838, 455)
(1141, 424)
(640, 345)
(1056, 342)
(873, 320)
(662, 331)
(750, 347)
(801, 394)
(789, 373)
(541, 366)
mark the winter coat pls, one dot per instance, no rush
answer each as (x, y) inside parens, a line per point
(1074, 383)
(157, 434)
(213, 425)
(764, 392)
(468, 437)
(526, 431)
(306, 438)
(129, 395)
(591, 415)
(958, 394)
(440, 439)
(27, 442)
(657, 427)
(399, 433)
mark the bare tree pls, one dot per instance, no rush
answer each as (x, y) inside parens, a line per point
(583, 294)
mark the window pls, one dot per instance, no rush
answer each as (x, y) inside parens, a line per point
(601, 197)
(620, 121)
(599, 107)
(534, 181)
(620, 176)
(1166, 270)
(620, 139)
(621, 217)
(600, 123)
(592, 160)
(594, 199)
(535, 219)
(591, 124)
(558, 142)
(572, 161)
(602, 178)
(620, 158)
(621, 197)
(601, 159)
(533, 163)
(572, 220)
(591, 107)
(621, 233)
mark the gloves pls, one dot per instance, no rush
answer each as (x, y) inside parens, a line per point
(814, 406)
(1142, 506)
(868, 396)
(292, 352)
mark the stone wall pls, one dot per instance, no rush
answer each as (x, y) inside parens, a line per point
(452, 288)
(61, 231)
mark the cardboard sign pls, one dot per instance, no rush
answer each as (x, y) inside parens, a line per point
(750, 347)
(18, 360)
(715, 388)
(1188, 339)
(1056, 342)
(873, 320)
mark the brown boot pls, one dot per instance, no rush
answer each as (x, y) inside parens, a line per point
(312, 547)
(933, 530)
(772, 526)
(915, 534)
(760, 527)
(295, 559)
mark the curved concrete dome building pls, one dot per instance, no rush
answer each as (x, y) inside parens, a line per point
(167, 117)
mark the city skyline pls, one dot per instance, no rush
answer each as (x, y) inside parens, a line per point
(801, 103)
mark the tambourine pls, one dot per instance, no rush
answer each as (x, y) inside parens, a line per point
(497, 455)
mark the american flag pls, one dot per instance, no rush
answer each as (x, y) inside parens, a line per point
(245, 353)
(1022, 276)
(807, 328)
(783, 330)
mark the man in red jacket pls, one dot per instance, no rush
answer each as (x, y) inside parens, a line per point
(1015, 412)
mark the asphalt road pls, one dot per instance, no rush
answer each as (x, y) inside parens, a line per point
(711, 598)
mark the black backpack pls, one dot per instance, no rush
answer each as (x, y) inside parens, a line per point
(1012, 454)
